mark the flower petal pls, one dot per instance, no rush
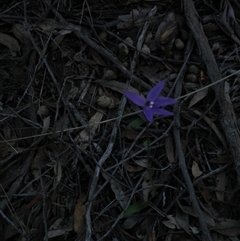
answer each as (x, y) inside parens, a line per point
(162, 112)
(163, 101)
(148, 113)
(155, 91)
(135, 98)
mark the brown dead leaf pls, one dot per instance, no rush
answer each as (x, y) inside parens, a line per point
(20, 32)
(97, 57)
(223, 159)
(56, 229)
(198, 96)
(131, 168)
(206, 194)
(146, 190)
(117, 86)
(117, 189)
(136, 18)
(166, 28)
(58, 172)
(182, 220)
(79, 213)
(60, 125)
(214, 127)
(142, 163)
(87, 134)
(228, 227)
(221, 184)
(132, 134)
(38, 161)
(171, 222)
(130, 222)
(189, 210)
(10, 42)
(150, 75)
(169, 148)
(196, 170)
(168, 32)
(48, 24)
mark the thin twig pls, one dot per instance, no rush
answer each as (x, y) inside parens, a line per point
(228, 118)
(179, 151)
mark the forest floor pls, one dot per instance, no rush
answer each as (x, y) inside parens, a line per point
(79, 161)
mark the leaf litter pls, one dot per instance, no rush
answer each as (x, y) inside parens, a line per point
(64, 69)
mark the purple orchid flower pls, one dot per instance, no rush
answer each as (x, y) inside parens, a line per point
(151, 105)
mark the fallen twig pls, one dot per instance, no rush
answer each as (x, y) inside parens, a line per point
(228, 118)
(179, 151)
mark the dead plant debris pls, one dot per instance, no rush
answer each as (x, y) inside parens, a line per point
(78, 161)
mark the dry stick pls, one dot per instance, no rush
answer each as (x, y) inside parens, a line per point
(228, 118)
(179, 151)
(10, 222)
(112, 141)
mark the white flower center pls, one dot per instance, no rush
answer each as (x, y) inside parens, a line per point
(150, 104)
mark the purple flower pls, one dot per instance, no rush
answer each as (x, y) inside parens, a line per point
(151, 105)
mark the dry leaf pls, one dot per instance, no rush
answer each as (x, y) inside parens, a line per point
(79, 213)
(117, 86)
(214, 127)
(10, 42)
(196, 170)
(130, 222)
(150, 75)
(189, 210)
(58, 172)
(97, 57)
(142, 163)
(221, 184)
(223, 159)
(87, 134)
(60, 125)
(146, 190)
(194, 230)
(131, 168)
(169, 148)
(48, 24)
(38, 161)
(206, 194)
(20, 32)
(132, 134)
(182, 220)
(117, 189)
(56, 229)
(228, 227)
(198, 96)
(171, 223)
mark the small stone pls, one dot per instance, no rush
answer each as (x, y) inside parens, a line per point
(146, 51)
(123, 49)
(192, 78)
(103, 35)
(129, 40)
(43, 111)
(109, 74)
(192, 69)
(105, 102)
(172, 76)
(148, 38)
(179, 44)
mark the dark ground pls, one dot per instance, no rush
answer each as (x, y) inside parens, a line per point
(64, 67)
